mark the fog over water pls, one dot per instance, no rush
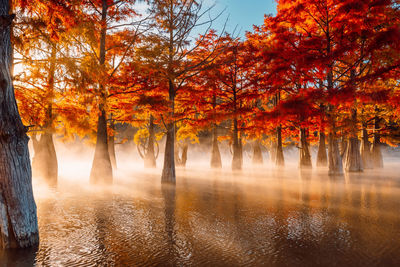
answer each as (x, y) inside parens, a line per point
(260, 216)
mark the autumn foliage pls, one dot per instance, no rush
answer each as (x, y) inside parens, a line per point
(316, 73)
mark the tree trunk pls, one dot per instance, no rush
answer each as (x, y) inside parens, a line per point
(365, 149)
(180, 159)
(101, 171)
(305, 157)
(237, 157)
(149, 157)
(322, 160)
(342, 146)
(257, 153)
(44, 162)
(279, 158)
(272, 151)
(376, 153)
(111, 145)
(216, 162)
(334, 158)
(18, 218)
(101, 168)
(168, 173)
(352, 158)
(111, 149)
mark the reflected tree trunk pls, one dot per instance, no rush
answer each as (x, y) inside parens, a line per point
(18, 217)
(168, 194)
(305, 156)
(352, 158)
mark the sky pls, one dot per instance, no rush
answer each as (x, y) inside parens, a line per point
(244, 13)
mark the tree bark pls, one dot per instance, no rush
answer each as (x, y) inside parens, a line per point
(257, 153)
(237, 157)
(216, 162)
(101, 171)
(365, 149)
(305, 156)
(111, 145)
(149, 157)
(376, 153)
(44, 161)
(180, 159)
(322, 160)
(168, 173)
(352, 158)
(342, 146)
(279, 158)
(18, 217)
(335, 160)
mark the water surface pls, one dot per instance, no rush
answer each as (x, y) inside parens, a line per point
(258, 217)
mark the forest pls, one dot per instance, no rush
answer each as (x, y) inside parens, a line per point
(321, 73)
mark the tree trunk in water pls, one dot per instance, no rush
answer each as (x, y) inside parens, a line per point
(111, 149)
(272, 151)
(101, 171)
(237, 157)
(305, 157)
(184, 155)
(335, 160)
(168, 173)
(111, 144)
(352, 157)
(180, 159)
(44, 162)
(101, 168)
(18, 218)
(376, 153)
(342, 146)
(365, 150)
(322, 160)
(149, 157)
(257, 153)
(279, 159)
(216, 162)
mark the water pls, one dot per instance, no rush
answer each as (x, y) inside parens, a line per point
(260, 217)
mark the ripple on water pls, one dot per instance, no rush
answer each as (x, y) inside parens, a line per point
(290, 220)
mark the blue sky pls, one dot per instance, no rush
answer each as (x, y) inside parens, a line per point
(244, 13)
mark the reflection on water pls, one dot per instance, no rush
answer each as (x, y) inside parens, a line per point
(264, 217)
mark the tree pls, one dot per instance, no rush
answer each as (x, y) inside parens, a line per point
(18, 217)
(169, 55)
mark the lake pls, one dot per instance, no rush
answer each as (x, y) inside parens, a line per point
(257, 217)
